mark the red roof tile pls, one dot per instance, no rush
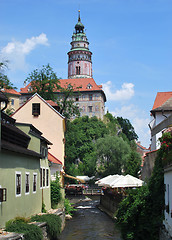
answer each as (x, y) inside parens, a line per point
(53, 159)
(81, 83)
(161, 98)
(11, 91)
(53, 104)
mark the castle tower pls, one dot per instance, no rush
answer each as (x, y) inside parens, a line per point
(79, 57)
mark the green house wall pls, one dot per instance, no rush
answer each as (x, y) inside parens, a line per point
(26, 204)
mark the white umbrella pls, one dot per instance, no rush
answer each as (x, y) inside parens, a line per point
(127, 181)
(107, 180)
(118, 178)
(102, 179)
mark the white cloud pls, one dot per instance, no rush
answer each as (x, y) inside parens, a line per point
(125, 93)
(16, 51)
(139, 119)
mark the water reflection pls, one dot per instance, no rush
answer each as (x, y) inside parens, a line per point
(89, 223)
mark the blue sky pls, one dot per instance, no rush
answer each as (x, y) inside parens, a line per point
(131, 41)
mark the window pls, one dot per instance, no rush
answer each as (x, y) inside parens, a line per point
(34, 181)
(90, 108)
(77, 98)
(47, 177)
(44, 151)
(35, 109)
(83, 108)
(43, 177)
(89, 86)
(27, 183)
(12, 102)
(90, 97)
(78, 70)
(18, 183)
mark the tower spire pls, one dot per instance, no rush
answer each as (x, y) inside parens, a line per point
(79, 57)
(79, 19)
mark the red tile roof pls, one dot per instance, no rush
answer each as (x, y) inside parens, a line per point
(161, 98)
(80, 83)
(53, 104)
(11, 91)
(53, 159)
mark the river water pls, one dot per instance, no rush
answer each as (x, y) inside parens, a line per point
(89, 223)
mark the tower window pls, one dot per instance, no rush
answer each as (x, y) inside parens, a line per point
(78, 70)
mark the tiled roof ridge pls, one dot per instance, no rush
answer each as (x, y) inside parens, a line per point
(11, 91)
(161, 98)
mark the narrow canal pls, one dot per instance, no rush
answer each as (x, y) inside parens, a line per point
(89, 223)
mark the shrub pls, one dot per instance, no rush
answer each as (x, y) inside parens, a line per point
(30, 231)
(56, 195)
(68, 207)
(53, 224)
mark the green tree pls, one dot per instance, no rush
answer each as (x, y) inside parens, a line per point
(81, 136)
(112, 124)
(45, 82)
(133, 164)
(4, 80)
(112, 153)
(127, 128)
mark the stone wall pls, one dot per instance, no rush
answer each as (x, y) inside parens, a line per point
(148, 165)
(109, 203)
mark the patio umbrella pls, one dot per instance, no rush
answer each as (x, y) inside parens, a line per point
(107, 180)
(127, 181)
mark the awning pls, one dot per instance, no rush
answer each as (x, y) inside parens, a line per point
(78, 179)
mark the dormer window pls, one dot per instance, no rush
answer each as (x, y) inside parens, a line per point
(36, 109)
(89, 86)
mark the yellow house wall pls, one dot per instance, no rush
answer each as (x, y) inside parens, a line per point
(16, 102)
(49, 122)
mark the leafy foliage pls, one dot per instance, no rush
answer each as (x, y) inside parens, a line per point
(56, 195)
(140, 215)
(4, 81)
(67, 104)
(127, 128)
(20, 225)
(44, 81)
(53, 224)
(166, 147)
(80, 144)
(133, 164)
(68, 207)
(112, 153)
